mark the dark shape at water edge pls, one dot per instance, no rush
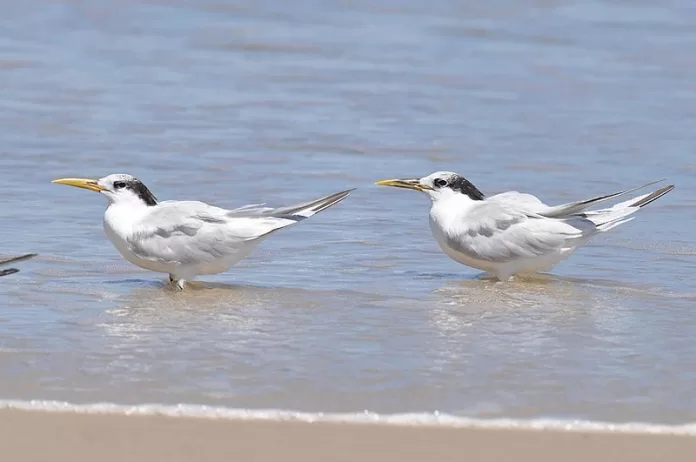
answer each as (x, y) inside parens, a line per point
(10, 261)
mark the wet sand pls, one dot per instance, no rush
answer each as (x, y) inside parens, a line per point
(33, 436)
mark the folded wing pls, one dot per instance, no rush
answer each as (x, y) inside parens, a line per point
(498, 233)
(516, 225)
(194, 232)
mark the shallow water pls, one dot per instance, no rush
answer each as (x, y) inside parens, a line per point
(356, 309)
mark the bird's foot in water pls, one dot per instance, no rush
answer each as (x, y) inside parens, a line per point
(494, 277)
(178, 284)
(497, 278)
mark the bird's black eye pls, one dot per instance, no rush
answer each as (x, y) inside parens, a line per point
(440, 183)
(119, 184)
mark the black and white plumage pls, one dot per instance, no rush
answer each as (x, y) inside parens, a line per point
(514, 233)
(13, 260)
(187, 238)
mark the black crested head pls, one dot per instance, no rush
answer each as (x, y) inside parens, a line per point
(134, 185)
(142, 192)
(464, 186)
(457, 183)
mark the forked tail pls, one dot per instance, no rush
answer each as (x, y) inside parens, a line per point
(299, 212)
(606, 219)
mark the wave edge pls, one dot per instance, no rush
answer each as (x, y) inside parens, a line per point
(434, 419)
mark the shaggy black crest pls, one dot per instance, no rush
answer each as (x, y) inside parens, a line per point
(139, 189)
(466, 187)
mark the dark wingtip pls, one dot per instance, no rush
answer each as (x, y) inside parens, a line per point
(8, 271)
(332, 200)
(653, 197)
(18, 259)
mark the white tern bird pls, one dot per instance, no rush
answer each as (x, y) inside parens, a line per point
(187, 238)
(514, 233)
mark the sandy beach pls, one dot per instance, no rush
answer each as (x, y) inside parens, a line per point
(39, 436)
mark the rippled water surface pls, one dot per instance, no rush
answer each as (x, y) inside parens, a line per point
(280, 102)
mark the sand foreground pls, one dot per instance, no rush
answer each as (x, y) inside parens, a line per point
(64, 437)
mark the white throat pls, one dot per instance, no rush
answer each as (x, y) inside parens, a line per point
(121, 216)
(450, 208)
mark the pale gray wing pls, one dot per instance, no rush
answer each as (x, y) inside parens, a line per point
(517, 200)
(191, 232)
(195, 233)
(499, 233)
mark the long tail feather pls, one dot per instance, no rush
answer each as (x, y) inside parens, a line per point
(267, 220)
(297, 212)
(572, 208)
(652, 197)
(607, 219)
(306, 210)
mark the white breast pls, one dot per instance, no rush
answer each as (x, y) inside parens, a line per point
(443, 215)
(118, 227)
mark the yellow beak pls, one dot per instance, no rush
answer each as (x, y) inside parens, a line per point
(81, 183)
(406, 184)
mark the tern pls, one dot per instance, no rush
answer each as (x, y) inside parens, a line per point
(10, 261)
(514, 233)
(187, 238)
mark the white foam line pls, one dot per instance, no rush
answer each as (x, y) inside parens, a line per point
(407, 419)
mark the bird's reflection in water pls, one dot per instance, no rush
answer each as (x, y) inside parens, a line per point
(532, 304)
(480, 322)
(541, 329)
(483, 295)
(540, 299)
(206, 307)
(542, 291)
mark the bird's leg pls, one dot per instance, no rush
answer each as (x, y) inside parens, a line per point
(178, 283)
(8, 271)
(503, 277)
